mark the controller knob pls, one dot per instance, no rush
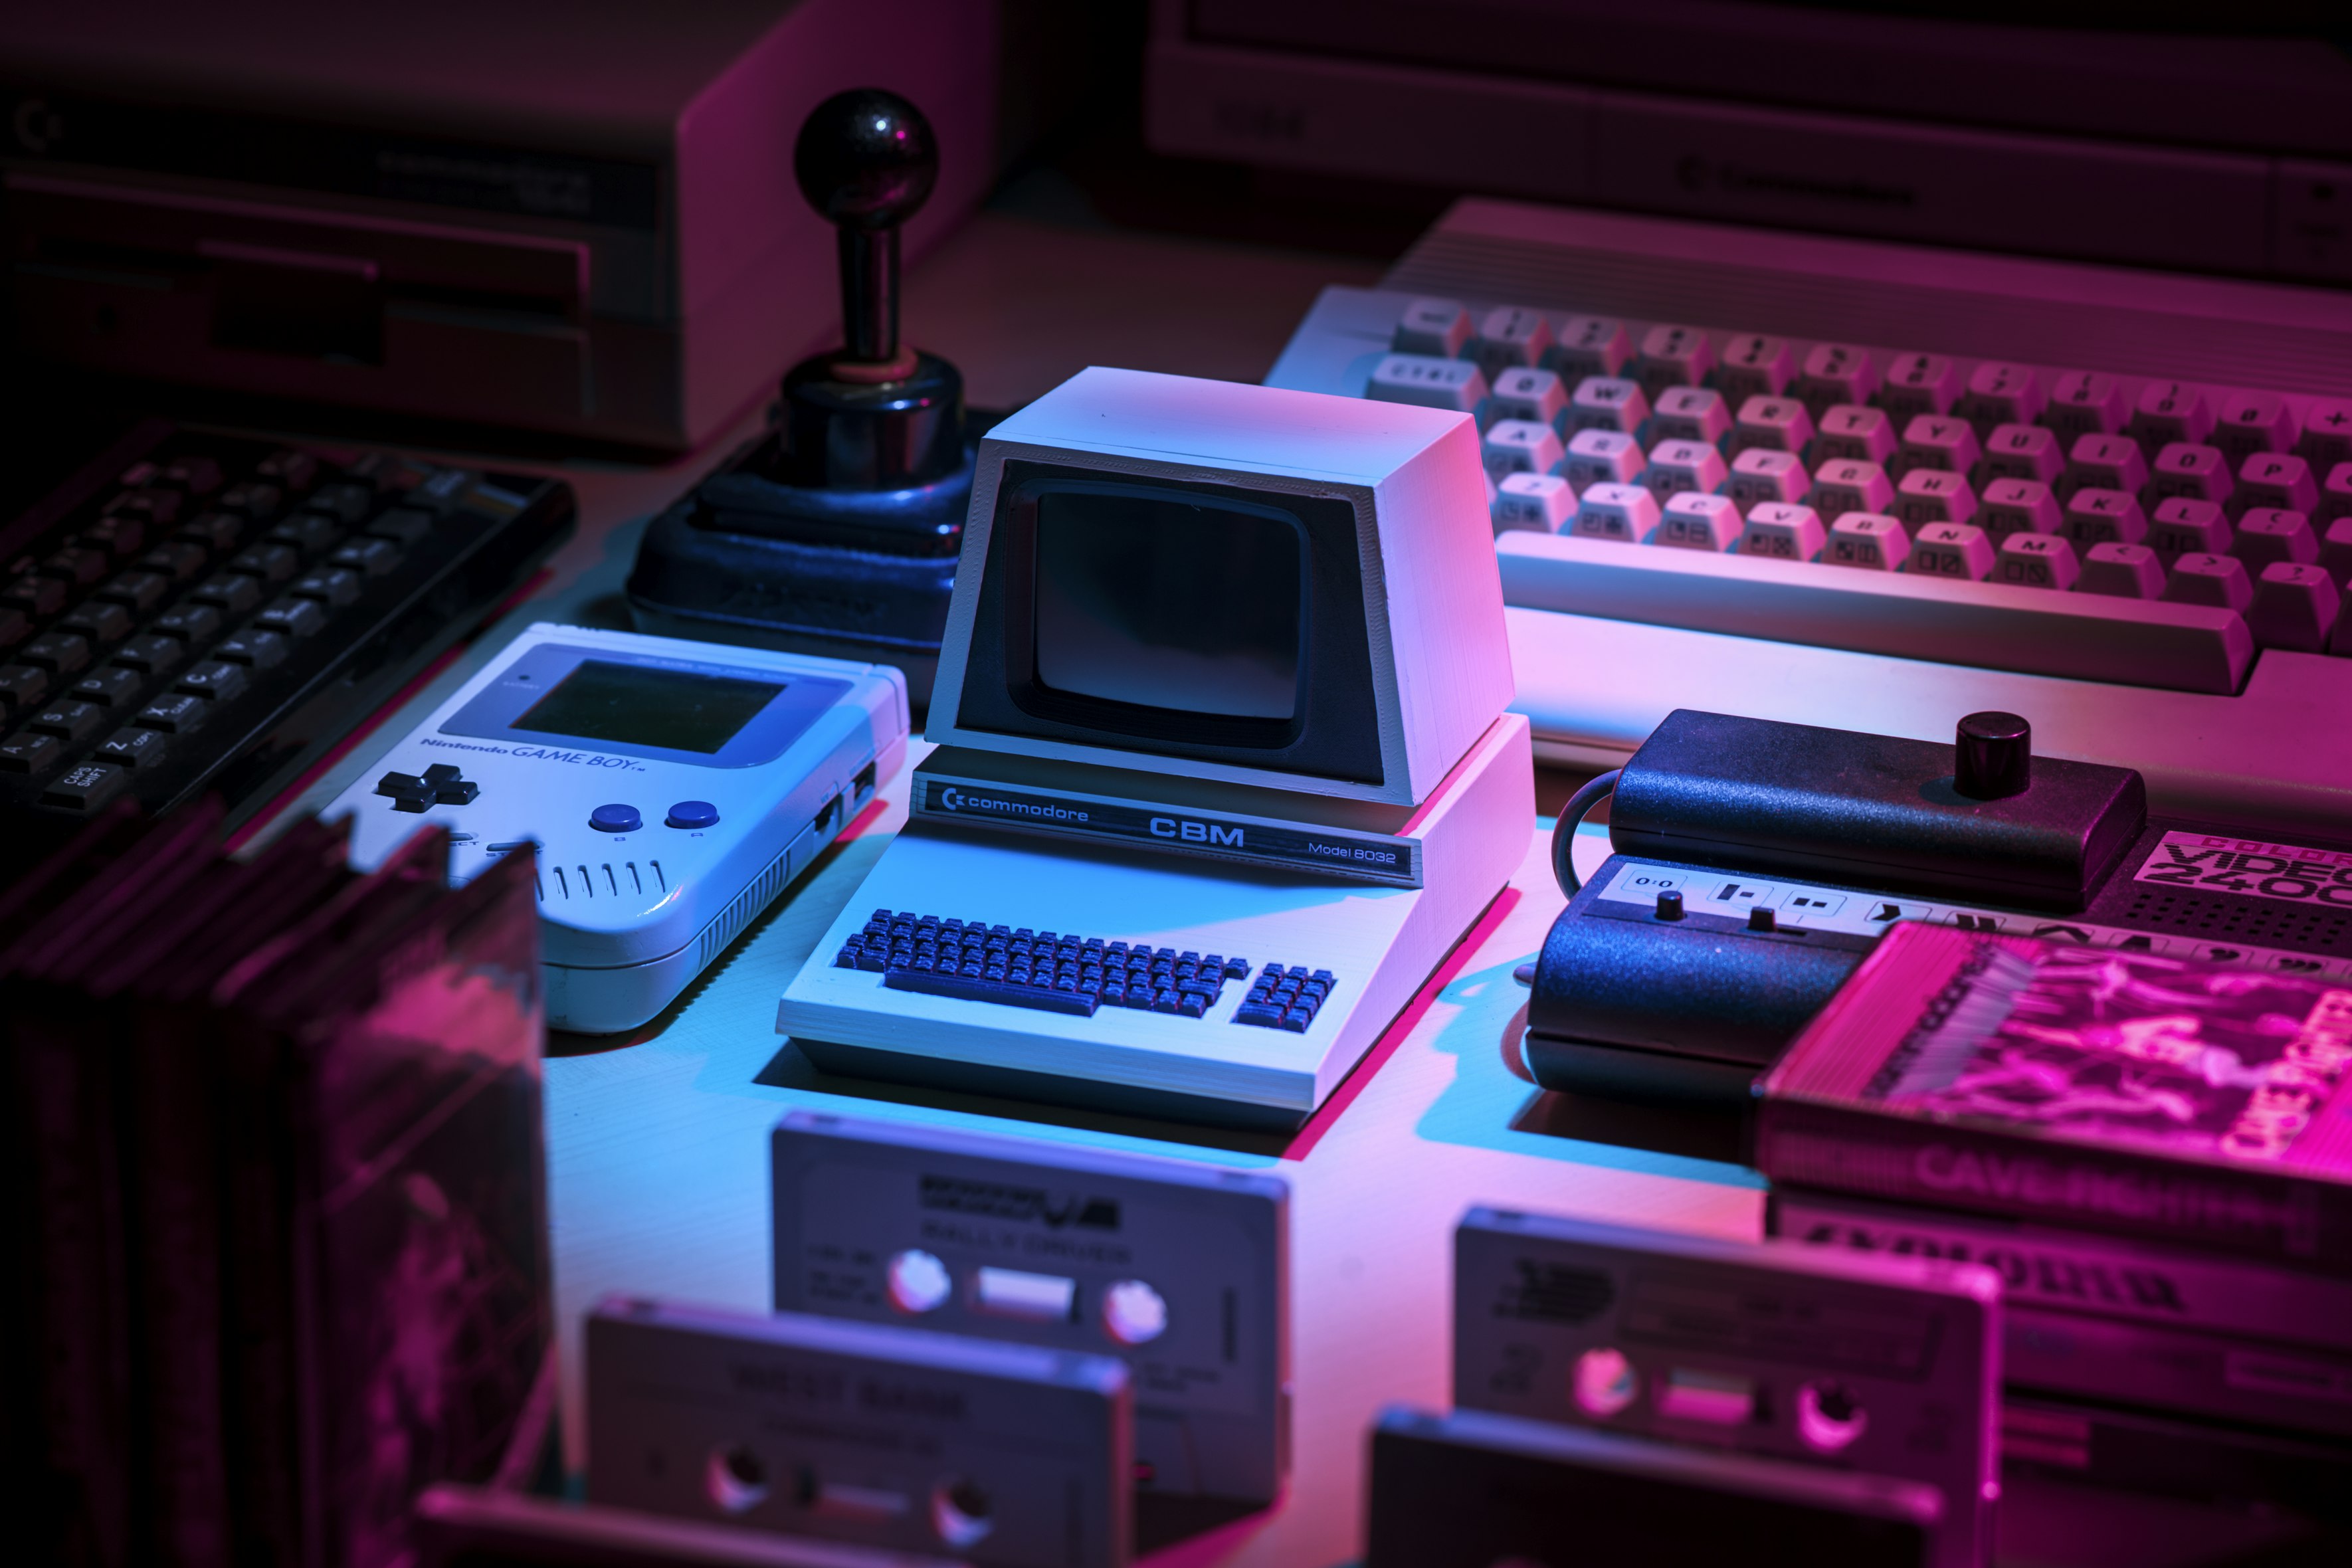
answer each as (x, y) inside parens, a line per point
(1993, 756)
(866, 160)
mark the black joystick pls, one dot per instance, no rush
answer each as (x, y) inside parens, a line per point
(1993, 756)
(837, 531)
(873, 415)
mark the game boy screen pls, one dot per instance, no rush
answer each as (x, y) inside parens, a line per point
(638, 705)
(1164, 602)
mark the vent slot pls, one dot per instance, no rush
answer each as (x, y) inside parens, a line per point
(563, 887)
(587, 883)
(636, 881)
(2256, 921)
(660, 882)
(739, 915)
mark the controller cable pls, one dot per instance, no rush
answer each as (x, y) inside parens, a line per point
(1563, 840)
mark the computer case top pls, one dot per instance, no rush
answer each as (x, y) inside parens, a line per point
(569, 216)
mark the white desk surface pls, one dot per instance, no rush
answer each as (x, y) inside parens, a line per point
(658, 1141)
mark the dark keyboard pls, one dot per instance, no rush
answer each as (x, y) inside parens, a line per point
(1060, 972)
(200, 613)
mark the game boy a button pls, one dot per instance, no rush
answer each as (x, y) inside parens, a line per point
(693, 814)
(616, 819)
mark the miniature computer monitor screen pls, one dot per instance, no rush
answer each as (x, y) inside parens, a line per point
(1176, 618)
(1151, 600)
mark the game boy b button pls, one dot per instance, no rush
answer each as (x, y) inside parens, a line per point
(616, 819)
(693, 814)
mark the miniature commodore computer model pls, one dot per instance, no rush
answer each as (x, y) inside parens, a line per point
(1223, 769)
(672, 790)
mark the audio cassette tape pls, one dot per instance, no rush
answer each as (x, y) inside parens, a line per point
(1474, 1490)
(1885, 1366)
(1178, 1269)
(895, 1438)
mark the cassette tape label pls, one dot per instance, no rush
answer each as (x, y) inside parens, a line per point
(2287, 872)
(1175, 1269)
(1794, 1353)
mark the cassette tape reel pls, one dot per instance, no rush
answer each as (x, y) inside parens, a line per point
(1880, 1366)
(1179, 1270)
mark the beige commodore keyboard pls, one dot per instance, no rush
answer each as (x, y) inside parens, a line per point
(1877, 486)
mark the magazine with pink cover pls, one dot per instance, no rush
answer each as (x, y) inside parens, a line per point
(2101, 1087)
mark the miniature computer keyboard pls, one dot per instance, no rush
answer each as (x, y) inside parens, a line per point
(1061, 972)
(200, 613)
(1837, 481)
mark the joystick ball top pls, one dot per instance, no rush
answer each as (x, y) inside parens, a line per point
(865, 158)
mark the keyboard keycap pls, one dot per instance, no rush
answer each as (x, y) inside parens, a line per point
(1543, 502)
(29, 752)
(2203, 578)
(232, 592)
(1692, 522)
(1774, 424)
(2085, 403)
(2327, 438)
(1677, 467)
(2169, 411)
(59, 653)
(75, 565)
(1539, 396)
(191, 623)
(134, 748)
(70, 722)
(1835, 373)
(1607, 402)
(87, 787)
(2000, 394)
(1952, 550)
(174, 714)
(2122, 571)
(179, 560)
(2277, 479)
(1783, 533)
(1438, 328)
(406, 525)
(374, 557)
(102, 621)
(270, 562)
(2016, 451)
(1754, 365)
(214, 531)
(36, 596)
(1602, 457)
(149, 654)
(1426, 383)
(1852, 432)
(110, 685)
(140, 592)
(1919, 384)
(2335, 495)
(2267, 536)
(2106, 463)
(2245, 423)
(293, 618)
(2295, 606)
(1510, 335)
(2084, 636)
(1931, 495)
(2197, 473)
(1625, 513)
(1511, 447)
(1761, 474)
(21, 686)
(217, 678)
(1590, 345)
(1690, 413)
(1862, 539)
(2104, 516)
(2184, 527)
(2335, 550)
(1846, 485)
(1673, 356)
(2037, 561)
(1934, 441)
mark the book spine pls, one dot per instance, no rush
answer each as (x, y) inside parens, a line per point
(257, 1339)
(2209, 1376)
(80, 1378)
(2303, 1225)
(2074, 1271)
(174, 1195)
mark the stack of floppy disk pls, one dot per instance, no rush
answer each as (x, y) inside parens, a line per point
(985, 1349)
(2155, 1153)
(1628, 1396)
(275, 1214)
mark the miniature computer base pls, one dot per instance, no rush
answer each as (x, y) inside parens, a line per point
(1179, 987)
